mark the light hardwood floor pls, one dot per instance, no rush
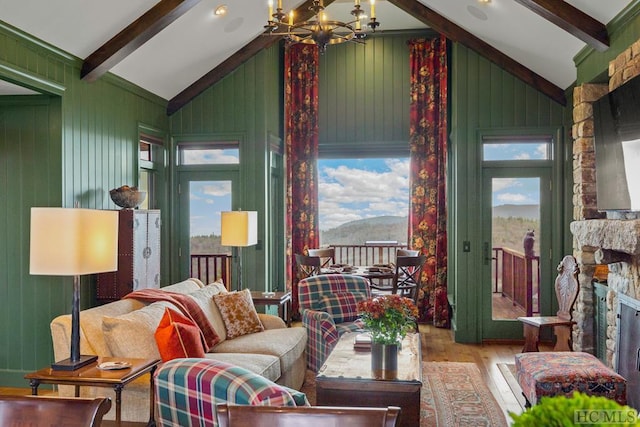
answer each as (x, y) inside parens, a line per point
(438, 345)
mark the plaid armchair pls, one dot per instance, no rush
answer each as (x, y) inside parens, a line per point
(329, 309)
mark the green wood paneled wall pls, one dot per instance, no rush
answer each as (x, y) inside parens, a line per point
(76, 143)
(248, 102)
(483, 97)
(364, 92)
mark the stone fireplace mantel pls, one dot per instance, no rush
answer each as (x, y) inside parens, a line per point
(613, 234)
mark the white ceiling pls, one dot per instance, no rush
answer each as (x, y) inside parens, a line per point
(199, 41)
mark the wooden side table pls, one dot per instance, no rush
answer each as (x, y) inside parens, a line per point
(281, 299)
(91, 375)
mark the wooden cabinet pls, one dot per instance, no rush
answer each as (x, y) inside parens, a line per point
(138, 255)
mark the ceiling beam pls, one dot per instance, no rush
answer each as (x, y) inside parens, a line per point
(261, 42)
(572, 20)
(135, 35)
(460, 35)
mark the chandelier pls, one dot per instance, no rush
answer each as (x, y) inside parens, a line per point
(319, 30)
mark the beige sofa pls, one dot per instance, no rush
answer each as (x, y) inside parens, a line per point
(126, 328)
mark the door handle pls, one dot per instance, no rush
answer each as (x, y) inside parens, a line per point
(486, 254)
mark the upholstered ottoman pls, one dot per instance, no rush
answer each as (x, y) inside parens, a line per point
(563, 372)
(188, 390)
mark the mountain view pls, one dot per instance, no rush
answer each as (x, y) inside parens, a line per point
(357, 232)
(510, 223)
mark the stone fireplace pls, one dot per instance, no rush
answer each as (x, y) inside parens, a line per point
(612, 239)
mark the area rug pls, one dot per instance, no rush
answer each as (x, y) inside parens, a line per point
(508, 371)
(453, 395)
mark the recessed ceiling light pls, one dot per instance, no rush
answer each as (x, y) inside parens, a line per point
(477, 13)
(220, 10)
(484, 1)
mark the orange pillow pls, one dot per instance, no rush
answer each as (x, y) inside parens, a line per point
(238, 312)
(178, 337)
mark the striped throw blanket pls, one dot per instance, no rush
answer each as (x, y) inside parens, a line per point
(187, 306)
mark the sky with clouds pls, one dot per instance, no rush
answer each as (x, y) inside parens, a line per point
(352, 189)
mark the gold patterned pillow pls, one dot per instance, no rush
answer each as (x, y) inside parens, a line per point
(239, 313)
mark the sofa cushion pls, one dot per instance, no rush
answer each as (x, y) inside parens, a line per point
(204, 299)
(238, 312)
(342, 306)
(286, 344)
(262, 364)
(178, 337)
(132, 334)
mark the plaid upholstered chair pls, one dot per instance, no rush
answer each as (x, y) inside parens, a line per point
(328, 304)
(188, 390)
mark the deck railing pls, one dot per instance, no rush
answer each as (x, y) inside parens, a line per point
(211, 267)
(517, 277)
(367, 254)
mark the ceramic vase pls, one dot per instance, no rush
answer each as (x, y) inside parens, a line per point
(384, 361)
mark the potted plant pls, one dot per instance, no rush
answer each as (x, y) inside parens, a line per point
(388, 318)
(577, 410)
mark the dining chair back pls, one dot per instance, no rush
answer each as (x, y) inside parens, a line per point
(308, 266)
(408, 276)
(49, 410)
(308, 416)
(327, 256)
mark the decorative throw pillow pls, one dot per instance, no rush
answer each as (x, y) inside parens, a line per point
(178, 337)
(239, 313)
(131, 334)
(342, 306)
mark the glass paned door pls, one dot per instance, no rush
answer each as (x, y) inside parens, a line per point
(203, 196)
(516, 218)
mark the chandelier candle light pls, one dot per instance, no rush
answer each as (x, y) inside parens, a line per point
(320, 30)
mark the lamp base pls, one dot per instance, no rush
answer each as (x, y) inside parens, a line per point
(72, 365)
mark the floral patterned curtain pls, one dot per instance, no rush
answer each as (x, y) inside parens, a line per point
(428, 143)
(301, 130)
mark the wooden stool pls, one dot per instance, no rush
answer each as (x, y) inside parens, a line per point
(562, 373)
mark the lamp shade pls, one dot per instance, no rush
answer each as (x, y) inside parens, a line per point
(239, 228)
(69, 242)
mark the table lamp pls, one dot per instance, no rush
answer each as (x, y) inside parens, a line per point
(239, 229)
(71, 242)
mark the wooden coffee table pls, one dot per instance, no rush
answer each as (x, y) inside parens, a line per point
(345, 380)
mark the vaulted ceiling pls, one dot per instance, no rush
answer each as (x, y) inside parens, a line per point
(178, 48)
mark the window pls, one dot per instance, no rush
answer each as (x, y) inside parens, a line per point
(151, 166)
(209, 153)
(363, 200)
(498, 148)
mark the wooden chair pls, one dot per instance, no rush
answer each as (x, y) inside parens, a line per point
(308, 416)
(327, 256)
(567, 287)
(24, 411)
(308, 266)
(408, 276)
(407, 252)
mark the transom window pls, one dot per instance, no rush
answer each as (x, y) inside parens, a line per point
(209, 153)
(520, 148)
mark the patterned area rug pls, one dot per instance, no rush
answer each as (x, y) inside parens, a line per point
(453, 395)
